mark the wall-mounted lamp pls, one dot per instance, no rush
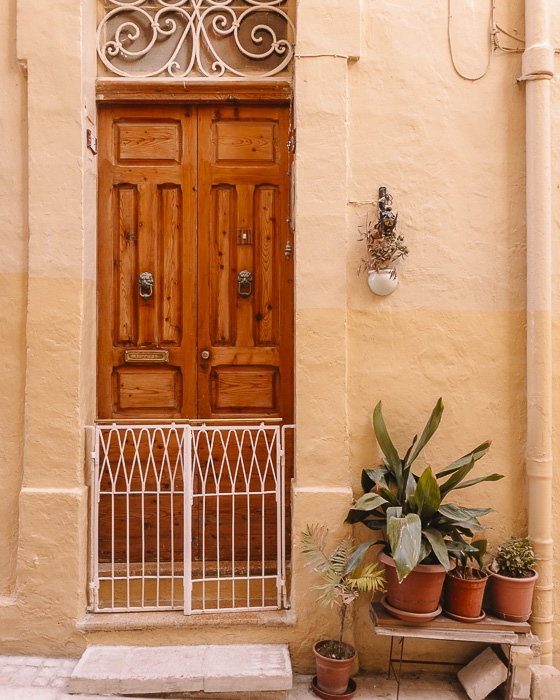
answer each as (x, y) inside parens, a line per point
(384, 247)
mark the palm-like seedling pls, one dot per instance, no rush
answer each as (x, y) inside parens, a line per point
(343, 582)
(409, 509)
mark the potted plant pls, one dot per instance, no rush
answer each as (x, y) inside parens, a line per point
(465, 585)
(344, 579)
(512, 580)
(420, 531)
(384, 247)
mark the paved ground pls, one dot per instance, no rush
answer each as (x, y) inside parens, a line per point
(37, 678)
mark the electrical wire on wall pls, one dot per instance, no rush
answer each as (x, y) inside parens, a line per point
(493, 41)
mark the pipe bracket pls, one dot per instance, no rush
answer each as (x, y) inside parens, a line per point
(537, 62)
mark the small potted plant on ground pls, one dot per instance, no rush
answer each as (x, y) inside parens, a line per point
(465, 585)
(512, 580)
(420, 531)
(344, 579)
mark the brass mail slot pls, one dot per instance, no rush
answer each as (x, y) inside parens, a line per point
(161, 356)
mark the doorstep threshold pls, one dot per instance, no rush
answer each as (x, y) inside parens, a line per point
(221, 670)
(175, 619)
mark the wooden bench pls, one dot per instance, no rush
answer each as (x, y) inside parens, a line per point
(491, 630)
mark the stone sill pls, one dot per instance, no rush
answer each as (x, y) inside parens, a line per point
(132, 622)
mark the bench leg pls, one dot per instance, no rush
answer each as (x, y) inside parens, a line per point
(518, 686)
(392, 660)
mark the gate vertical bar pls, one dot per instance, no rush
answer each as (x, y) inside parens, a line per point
(187, 466)
(282, 590)
(93, 435)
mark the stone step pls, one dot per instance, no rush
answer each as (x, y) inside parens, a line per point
(259, 670)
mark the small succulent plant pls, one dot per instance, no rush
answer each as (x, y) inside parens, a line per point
(515, 558)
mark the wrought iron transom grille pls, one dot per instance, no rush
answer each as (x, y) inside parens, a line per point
(186, 39)
(188, 518)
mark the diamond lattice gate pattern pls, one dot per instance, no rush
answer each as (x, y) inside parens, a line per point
(188, 517)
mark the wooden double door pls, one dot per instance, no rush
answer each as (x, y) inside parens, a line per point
(195, 289)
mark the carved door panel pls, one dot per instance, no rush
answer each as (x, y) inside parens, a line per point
(245, 286)
(146, 262)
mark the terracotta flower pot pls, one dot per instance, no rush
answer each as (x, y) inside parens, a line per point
(511, 598)
(333, 675)
(463, 597)
(420, 591)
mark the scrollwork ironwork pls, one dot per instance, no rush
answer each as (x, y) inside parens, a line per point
(196, 38)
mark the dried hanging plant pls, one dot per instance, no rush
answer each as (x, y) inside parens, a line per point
(384, 245)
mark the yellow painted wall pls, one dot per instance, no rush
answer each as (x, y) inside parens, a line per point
(13, 281)
(378, 102)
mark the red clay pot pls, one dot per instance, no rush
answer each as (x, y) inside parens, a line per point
(421, 589)
(463, 597)
(333, 675)
(511, 598)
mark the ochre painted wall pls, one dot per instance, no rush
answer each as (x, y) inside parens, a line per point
(13, 281)
(378, 102)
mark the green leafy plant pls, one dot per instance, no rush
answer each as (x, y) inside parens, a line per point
(343, 579)
(515, 558)
(469, 571)
(409, 509)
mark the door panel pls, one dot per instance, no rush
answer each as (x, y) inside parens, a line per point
(147, 207)
(243, 173)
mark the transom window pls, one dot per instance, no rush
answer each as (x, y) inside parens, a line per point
(196, 39)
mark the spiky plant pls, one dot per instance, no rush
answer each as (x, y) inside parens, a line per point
(343, 578)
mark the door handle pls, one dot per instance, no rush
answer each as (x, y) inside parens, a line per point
(146, 285)
(205, 354)
(245, 283)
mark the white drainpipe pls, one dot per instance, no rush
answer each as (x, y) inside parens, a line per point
(538, 70)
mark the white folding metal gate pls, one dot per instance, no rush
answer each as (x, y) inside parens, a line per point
(188, 517)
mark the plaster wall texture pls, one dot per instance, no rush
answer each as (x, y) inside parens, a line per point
(43, 224)
(13, 280)
(450, 151)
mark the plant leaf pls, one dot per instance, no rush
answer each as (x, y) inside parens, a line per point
(390, 496)
(368, 502)
(355, 559)
(456, 477)
(455, 513)
(372, 478)
(437, 543)
(405, 538)
(386, 445)
(356, 516)
(375, 525)
(407, 455)
(477, 453)
(411, 482)
(363, 507)
(425, 550)
(427, 496)
(478, 480)
(429, 430)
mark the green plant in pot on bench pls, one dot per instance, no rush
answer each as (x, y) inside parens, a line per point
(512, 579)
(465, 585)
(421, 534)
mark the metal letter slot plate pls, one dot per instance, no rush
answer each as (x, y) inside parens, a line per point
(161, 356)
